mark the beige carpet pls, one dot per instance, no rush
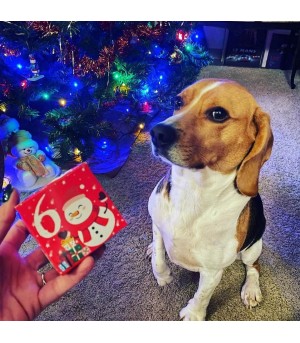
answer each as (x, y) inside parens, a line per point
(122, 287)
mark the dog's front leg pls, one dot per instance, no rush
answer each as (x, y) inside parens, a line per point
(157, 251)
(196, 307)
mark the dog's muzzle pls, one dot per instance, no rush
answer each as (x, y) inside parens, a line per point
(163, 137)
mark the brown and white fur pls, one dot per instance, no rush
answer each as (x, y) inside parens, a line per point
(206, 211)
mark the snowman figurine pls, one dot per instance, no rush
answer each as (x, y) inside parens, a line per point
(92, 224)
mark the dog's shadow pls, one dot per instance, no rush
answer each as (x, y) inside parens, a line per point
(187, 278)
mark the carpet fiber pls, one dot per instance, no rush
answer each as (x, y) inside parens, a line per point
(121, 287)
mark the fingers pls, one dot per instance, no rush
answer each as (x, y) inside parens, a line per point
(1, 164)
(52, 273)
(16, 235)
(8, 214)
(37, 259)
(58, 285)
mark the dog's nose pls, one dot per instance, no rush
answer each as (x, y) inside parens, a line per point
(163, 135)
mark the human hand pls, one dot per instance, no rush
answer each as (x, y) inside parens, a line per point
(22, 293)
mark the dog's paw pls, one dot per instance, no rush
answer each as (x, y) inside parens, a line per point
(251, 294)
(188, 314)
(163, 278)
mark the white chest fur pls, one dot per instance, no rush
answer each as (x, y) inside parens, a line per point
(198, 222)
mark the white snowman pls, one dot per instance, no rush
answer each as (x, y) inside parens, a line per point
(92, 224)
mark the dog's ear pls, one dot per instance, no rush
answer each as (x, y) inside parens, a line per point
(248, 172)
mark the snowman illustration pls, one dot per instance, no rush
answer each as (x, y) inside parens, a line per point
(90, 223)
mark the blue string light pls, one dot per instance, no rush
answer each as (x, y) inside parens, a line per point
(103, 143)
(145, 90)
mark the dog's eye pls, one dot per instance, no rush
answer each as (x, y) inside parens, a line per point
(178, 103)
(217, 114)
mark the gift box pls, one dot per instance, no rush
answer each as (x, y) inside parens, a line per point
(71, 217)
(76, 253)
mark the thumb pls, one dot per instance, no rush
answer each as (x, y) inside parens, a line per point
(8, 213)
(57, 287)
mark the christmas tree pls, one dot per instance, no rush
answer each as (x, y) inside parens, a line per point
(86, 89)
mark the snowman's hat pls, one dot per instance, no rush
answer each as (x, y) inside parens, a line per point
(18, 140)
(72, 199)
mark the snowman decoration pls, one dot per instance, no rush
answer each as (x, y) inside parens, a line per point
(92, 224)
(34, 67)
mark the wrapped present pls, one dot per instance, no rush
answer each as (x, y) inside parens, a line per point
(71, 217)
(68, 243)
(76, 253)
(32, 163)
(64, 266)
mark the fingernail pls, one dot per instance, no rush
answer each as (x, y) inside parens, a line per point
(6, 193)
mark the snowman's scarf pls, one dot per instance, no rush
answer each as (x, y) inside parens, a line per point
(83, 227)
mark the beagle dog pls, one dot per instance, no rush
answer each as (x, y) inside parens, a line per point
(206, 212)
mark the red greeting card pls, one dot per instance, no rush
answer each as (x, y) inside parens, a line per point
(71, 217)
